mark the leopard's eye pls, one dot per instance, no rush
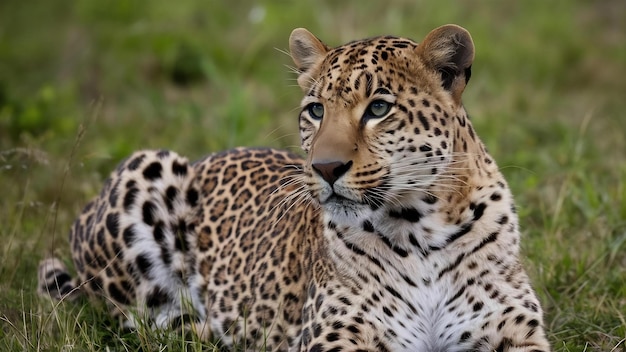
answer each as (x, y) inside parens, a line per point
(316, 110)
(376, 109)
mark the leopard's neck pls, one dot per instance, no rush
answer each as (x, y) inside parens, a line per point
(441, 223)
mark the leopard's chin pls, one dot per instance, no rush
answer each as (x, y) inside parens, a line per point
(343, 211)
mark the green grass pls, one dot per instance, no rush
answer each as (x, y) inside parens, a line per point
(82, 84)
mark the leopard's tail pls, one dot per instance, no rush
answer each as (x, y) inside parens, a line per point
(55, 281)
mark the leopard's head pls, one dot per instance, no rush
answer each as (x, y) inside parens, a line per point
(381, 118)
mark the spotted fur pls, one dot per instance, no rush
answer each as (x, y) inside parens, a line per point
(396, 233)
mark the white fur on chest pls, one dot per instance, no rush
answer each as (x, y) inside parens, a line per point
(415, 317)
(432, 327)
(414, 306)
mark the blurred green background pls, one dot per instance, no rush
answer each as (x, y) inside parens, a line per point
(84, 83)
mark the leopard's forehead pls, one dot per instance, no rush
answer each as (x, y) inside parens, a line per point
(365, 64)
(378, 48)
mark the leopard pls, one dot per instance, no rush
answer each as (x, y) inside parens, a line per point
(395, 231)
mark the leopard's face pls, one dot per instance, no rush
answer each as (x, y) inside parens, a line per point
(378, 119)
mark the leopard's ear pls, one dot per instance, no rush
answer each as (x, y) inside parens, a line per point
(306, 50)
(449, 50)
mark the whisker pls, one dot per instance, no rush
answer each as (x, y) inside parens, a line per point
(301, 196)
(290, 180)
(283, 51)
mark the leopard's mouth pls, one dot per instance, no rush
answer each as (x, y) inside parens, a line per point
(334, 197)
(342, 204)
(337, 200)
(338, 205)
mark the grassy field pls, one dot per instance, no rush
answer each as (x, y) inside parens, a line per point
(84, 83)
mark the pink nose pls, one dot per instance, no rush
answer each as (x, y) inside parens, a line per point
(332, 171)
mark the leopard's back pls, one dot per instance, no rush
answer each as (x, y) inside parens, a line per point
(254, 236)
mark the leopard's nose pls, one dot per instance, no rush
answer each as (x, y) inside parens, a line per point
(331, 171)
